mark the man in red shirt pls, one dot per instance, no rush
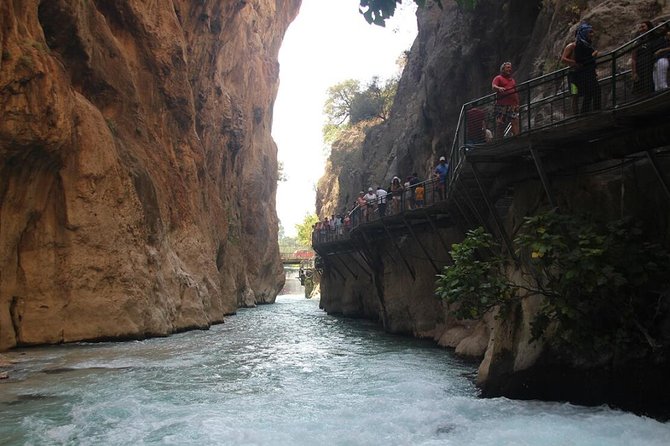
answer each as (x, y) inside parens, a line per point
(507, 101)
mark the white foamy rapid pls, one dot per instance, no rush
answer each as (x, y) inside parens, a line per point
(283, 374)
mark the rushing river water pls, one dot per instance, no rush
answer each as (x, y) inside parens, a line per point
(283, 374)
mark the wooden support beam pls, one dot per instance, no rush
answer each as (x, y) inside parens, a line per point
(496, 217)
(423, 248)
(543, 175)
(397, 248)
(657, 170)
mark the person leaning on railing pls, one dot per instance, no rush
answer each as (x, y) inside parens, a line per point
(507, 101)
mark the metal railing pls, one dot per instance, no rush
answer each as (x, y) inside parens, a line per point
(415, 197)
(547, 101)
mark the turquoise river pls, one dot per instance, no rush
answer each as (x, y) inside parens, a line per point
(283, 374)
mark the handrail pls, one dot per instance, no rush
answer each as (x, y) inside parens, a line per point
(540, 110)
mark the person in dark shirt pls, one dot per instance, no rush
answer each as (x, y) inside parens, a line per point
(585, 57)
(642, 61)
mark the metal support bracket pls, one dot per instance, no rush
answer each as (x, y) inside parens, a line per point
(423, 248)
(543, 175)
(494, 213)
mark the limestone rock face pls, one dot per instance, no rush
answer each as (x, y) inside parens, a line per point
(137, 170)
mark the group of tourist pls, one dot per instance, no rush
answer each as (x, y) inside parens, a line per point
(649, 62)
(401, 195)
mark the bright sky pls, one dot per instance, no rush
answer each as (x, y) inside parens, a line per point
(328, 42)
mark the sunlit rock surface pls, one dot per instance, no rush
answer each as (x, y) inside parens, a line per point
(137, 170)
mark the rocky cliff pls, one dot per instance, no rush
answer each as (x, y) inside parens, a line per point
(137, 170)
(452, 61)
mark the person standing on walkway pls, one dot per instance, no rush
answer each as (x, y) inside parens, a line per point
(568, 58)
(441, 171)
(661, 53)
(587, 78)
(507, 101)
(370, 200)
(396, 194)
(642, 61)
(381, 201)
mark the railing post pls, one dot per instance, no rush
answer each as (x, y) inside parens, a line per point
(465, 126)
(614, 79)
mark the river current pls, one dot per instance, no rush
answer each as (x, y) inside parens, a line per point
(283, 374)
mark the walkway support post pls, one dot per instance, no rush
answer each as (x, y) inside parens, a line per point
(434, 228)
(543, 176)
(423, 248)
(397, 248)
(354, 275)
(494, 213)
(657, 170)
(359, 264)
(329, 262)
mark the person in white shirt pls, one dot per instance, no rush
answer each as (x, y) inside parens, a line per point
(381, 201)
(370, 200)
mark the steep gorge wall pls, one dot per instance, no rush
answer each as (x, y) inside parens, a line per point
(452, 61)
(137, 170)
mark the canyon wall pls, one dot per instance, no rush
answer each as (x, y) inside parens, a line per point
(455, 56)
(137, 170)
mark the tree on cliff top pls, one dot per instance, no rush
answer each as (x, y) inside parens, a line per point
(305, 229)
(348, 103)
(378, 11)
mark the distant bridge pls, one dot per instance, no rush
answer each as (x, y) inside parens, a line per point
(552, 140)
(295, 254)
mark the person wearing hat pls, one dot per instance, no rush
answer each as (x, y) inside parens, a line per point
(441, 171)
(370, 201)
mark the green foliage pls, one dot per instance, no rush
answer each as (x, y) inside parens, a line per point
(339, 100)
(604, 285)
(348, 103)
(281, 173)
(475, 283)
(378, 11)
(305, 229)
